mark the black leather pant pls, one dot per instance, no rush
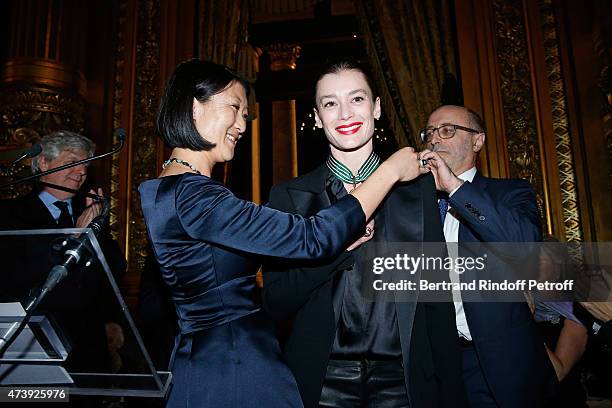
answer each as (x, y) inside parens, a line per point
(376, 384)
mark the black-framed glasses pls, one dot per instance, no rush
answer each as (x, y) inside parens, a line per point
(445, 131)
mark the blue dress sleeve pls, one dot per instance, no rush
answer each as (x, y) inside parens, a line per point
(208, 211)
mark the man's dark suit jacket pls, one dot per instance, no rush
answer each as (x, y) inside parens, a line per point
(82, 303)
(509, 348)
(427, 331)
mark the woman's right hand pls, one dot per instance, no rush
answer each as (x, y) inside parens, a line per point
(403, 165)
(406, 164)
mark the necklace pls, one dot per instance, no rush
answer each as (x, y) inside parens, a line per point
(179, 161)
(345, 175)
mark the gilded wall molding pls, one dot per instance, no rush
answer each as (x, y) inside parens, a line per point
(28, 112)
(142, 161)
(141, 164)
(283, 55)
(115, 205)
(40, 109)
(518, 96)
(563, 142)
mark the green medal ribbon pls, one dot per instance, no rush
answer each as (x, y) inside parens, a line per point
(346, 176)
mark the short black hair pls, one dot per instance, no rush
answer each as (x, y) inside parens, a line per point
(344, 64)
(191, 79)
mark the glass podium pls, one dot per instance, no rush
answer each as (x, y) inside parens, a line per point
(81, 335)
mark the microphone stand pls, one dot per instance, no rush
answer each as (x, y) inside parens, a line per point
(96, 197)
(73, 255)
(120, 134)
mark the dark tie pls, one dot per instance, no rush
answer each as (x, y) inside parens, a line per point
(65, 219)
(443, 207)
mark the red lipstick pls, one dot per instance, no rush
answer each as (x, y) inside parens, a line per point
(349, 129)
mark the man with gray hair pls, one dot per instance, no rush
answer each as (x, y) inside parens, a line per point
(60, 148)
(83, 302)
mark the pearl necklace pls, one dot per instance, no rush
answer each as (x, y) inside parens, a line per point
(179, 161)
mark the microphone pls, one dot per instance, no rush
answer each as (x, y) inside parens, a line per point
(73, 255)
(119, 133)
(98, 223)
(60, 271)
(80, 251)
(27, 154)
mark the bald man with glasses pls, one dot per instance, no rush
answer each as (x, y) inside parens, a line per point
(504, 360)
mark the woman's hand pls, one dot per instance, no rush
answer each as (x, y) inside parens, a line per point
(406, 164)
(365, 237)
(403, 165)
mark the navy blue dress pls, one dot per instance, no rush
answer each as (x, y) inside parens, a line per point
(206, 242)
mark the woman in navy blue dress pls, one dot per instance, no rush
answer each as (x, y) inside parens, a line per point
(206, 242)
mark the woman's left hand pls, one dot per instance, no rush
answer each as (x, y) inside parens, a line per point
(365, 237)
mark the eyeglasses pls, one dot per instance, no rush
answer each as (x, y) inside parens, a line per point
(445, 131)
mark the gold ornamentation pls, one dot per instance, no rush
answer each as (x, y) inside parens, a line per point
(28, 112)
(283, 56)
(43, 110)
(117, 108)
(141, 164)
(144, 142)
(24, 136)
(563, 143)
(14, 172)
(44, 72)
(517, 96)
